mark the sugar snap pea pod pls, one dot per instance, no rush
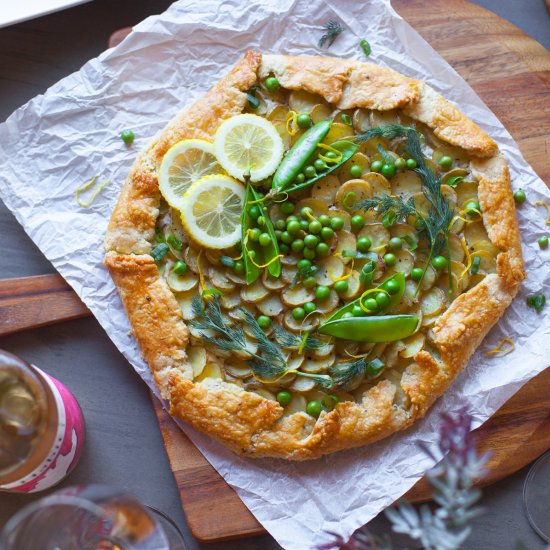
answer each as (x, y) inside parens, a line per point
(380, 328)
(299, 154)
(252, 272)
(347, 148)
(394, 286)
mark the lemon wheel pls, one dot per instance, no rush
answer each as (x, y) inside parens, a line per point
(248, 145)
(184, 164)
(211, 211)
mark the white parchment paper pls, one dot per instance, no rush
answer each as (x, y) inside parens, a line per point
(61, 139)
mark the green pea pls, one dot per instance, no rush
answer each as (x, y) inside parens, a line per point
(280, 225)
(297, 245)
(324, 219)
(519, 196)
(272, 84)
(278, 234)
(303, 264)
(472, 208)
(300, 178)
(303, 120)
(286, 237)
(411, 164)
(309, 307)
(331, 154)
(291, 219)
(254, 211)
(314, 408)
(309, 282)
(322, 250)
(306, 212)
(239, 267)
(315, 227)
(284, 248)
(254, 234)
(322, 292)
(543, 242)
(400, 163)
(348, 314)
(341, 286)
(309, 253)
(392, 287)
(376, 166)
(382, 300)
(363, 244)
(390, 259)
(304, 225)
(180, 268)
(252, 254)
(337, 223)
(310, 172)
(395, 243)
(357, 311)
(319, 165)
(371, 304)
(264, 321)
(298, 313)
(357, 222)
(293, 227)
(327, 234)
(127, 136)
(388, 170)
(260, 221)
(284, 398)
(417, 273)
(440, 263)
(355, 171)
(286, 207)
(264, 239)
(445, 162)
(311, 241)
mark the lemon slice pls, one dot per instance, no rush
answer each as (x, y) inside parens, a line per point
(211, 211)
(182, 165)
(248, 144)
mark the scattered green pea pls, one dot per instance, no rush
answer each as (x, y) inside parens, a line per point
(254, 211)
(303, 120)
(252, 254)
(376, 166)
(324, 219)
(357, 222)
(390, 259)
(127, 136)
(341, 286)
(395, 243)
(291, 218)
(278, 234)
(309, 253)
(363, 244)
(311, 241)
(180, 268)
(310, 172)
(304, 225)
(272, 84)
(417, 273)
(306, 212)
(284, 398)
(411, 164)
(239, 267)
(388, 170)
(293, 227)
(440, 263)
(322, 292)
(314, 408)
(355, 171)
(309, 307)
(322, 250)
(264, 239)
(303, 264)
(445, 162)
(284, 248)
(309, 282)
(297, 245)
(298, 313)
(286, 237)
(286, 207)
(264, 321)
(315, 227)
(519, 196)
(337, 223)
(327, 234)
(280, 225)
(400, 163)
(543, 241)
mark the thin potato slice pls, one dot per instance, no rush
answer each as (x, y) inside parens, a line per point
(213, 256)
(270, 306)
(459, 156)
(283, 133)
(235, 277)
(449, 193)
(354, 287)
(230, 300)
(466, 191)
(326, 349)
(337, 132)
(196, 355)
(455, 246)
(405, 262)
(266, 394)
(320, 112)
(352, 193)
(331, 268)
(383, 118)
(475, 232)
(302, 384)
(487, 256)
(211, 370)
(457, 172)
(346, 216)
(432, 302)
(297, 405)
(338, 116)
(219, 280)
(346, 241)
(272, 283)
(391, 353)
(328, 305)
(185, 302)
(406, 184)
(239, 369)
(403, 230)
(325, 189)
(316, 366)
(429, 320)
(359, 159)
(421, 203)
(308, 324)
(378, 183)
(361, 120)
(182, 283)
(190, 256)
(295, 362)
(413, 344)
(378, 235)
(288, 273)
(300, 101)
(317, 206)
(297, 296)
(475, 279)
(254, 293)
(289, 260)
(278, 113)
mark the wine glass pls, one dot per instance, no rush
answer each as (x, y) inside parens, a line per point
(92, 517)
(536, 500)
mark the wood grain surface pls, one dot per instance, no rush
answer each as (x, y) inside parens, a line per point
(511, 73)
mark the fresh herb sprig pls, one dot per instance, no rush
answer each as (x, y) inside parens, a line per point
(288, 340)
(333, 29)
(345, 373)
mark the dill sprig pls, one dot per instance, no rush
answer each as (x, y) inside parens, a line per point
(333, 29)
(288, 340)
(345, 373)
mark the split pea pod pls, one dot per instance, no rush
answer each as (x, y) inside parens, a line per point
(299, 154)
(380, 328)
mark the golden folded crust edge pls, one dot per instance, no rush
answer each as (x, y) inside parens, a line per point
(244, 421)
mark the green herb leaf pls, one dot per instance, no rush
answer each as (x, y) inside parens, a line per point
(454, 181)
(253, 102)
(537, 302)
(160, 251)
(346, 119)
(365, 46)
(333, 29)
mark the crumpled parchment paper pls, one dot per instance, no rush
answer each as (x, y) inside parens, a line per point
(61, 139)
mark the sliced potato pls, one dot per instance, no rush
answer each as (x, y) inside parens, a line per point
(338, 116)
(403, 230)
(211, 370)
(220, 280)
(182, 283)
(432, 302)
(430, 276)
(475, 279)
(428, 321)
(317, 206)
(361, 120)
(328, 305)
(421, 203)
(190, 256)
(466, 191)
(272, 283)
(391, 353)
(254, 293)
(266, 394)
(487, 255)
(289, 260)
(239, 369)
(282, 131)
(308, 324)
(378, 235)
(383, 118)
(326, 349)
(270, 306)
(316, 366)
(320, 112)
(297, 405)
(331, 268)
(196, 356)
(405, 262)
(295, 361)
(453, 174)
(449, 193)
(475, 232)
(352, 193)
(413, 344)
(359, 159)
(230, 300)
(346, 241)
(346, 216)
(303, 102)
(235, 277)
(455, 246)
(302, 384)
(325, 189)
(250, 348)
(337, 132)
(297, 296)
(370, 147)
(288, 273)
(185, 302)
(459, 156)
(406, 184)
(212, 256)
(278, 113)
(378, 183)
(354, 286)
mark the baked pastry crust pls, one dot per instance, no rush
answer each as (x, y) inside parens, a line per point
(247, 422)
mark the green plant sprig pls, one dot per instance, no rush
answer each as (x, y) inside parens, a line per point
(343, 374)
(333, 29)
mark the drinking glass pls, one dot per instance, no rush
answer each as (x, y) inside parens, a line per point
(536, 496)
(92, 517)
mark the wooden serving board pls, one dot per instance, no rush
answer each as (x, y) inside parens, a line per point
(511, 73)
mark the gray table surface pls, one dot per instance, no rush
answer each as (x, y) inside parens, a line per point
(124, 446)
